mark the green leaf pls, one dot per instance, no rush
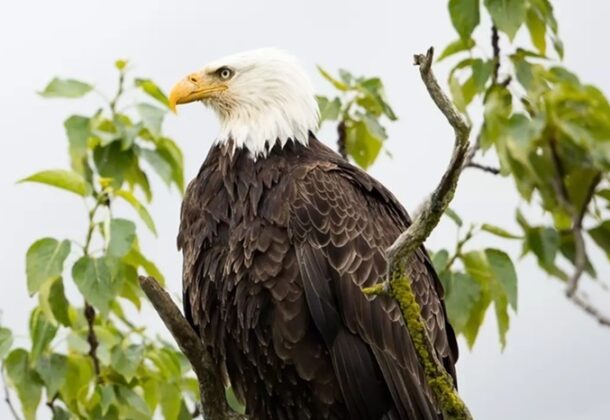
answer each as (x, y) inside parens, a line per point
(373, 99)
(329, 110)
(172, 154)
(126, 360)
(544, 242)
(6, 341)
(44, 260)
(501, 309)
(601, 236)
(498, 231)
(454, 216)
(133, 400)
(508, 15)
(457, 94)
(113, 162)
(537, 29)
(158, 162)
(464, 16)
(153, 90)
(461, 294)
(131, 287)
(136, 259)
(66, 88)
(171, 400)
(456, 47)
(152, 117)
(42, 332)
(481, 72)
(440, 260)
(61, 178)
(336, 83)
(52, 370)
(94, 279)
(139, 208)
(495, 274)
(107, 397)
(25, 381)
(54, 298)
(122, 236)
(362, 145)
(503, 270)
(78, 132)
(78, 376)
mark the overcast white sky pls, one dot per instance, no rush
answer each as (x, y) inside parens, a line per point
(556, 364)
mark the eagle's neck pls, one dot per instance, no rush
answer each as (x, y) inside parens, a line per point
(277, 117)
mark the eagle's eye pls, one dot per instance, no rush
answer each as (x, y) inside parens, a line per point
(224, 73)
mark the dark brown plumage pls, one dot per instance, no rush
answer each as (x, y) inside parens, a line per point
(276, 252)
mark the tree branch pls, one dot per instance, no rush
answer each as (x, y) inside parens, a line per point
(580, 300)
(92, 338)
(341, 144)
(398, 284)
(495, 45)
(485, 168)
(432, 210)
(213, 402)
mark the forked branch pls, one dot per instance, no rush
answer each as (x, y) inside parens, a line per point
(398, 284)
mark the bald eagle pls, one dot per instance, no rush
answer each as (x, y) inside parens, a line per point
(279, 235)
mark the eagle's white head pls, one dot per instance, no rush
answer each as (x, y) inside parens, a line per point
(261, 97)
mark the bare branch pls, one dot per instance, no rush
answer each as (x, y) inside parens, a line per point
(7, 395)
(213, 401)
(485, 168)
(398, 284)
(580, 300)
(432, 210)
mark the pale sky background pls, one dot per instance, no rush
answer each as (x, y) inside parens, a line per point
(557, 362)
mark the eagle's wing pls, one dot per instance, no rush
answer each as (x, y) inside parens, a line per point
(341, 223)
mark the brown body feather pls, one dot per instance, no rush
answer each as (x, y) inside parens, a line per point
(276, 252)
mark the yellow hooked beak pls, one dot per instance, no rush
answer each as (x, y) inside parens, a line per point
(194, 87)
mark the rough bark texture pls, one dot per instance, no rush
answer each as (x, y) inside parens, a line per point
(398, 284)
(213, 402)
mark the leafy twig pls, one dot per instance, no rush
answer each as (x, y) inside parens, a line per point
(580, 251)
(213, 402)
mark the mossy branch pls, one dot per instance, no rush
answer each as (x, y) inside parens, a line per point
(398, 284)
(213, 401)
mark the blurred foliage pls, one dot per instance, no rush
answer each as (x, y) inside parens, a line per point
(549, 131)
(89, 359)
(360, 106)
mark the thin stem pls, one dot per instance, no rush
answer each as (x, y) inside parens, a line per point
(119, 92)
(89, 310)
(7, 395)
(458, 249)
